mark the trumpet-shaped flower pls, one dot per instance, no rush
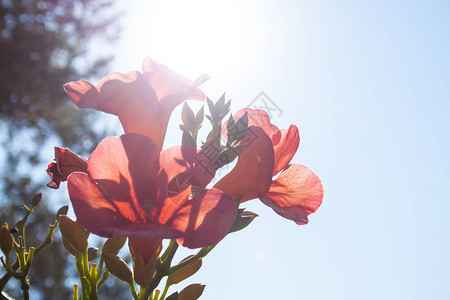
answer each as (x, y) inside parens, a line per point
(66, 162)
(295, 193)
(133, 189)
(142, 101)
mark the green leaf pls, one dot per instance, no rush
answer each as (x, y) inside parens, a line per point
(211, 107)
(225, 157)
(188, 117)
(199, 117)
(187, 139)
(236, 130)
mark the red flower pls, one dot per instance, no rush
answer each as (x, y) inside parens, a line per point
(65, 163)
(132, 189)
(142, 101)
(295, 193)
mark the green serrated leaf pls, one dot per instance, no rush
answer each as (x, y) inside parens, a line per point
(210, 106)
(225, 157)
(188, 117)
(187, 140)
(199, 117)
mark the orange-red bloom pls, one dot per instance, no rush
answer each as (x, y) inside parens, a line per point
(142, 101)
(65, 163)
(295, 193)
(132, 189)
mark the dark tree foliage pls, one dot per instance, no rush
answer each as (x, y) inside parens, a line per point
(43, 45)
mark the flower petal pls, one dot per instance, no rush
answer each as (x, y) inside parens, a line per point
(206, 220)
(285, 147)
(147, 247)
(66, 162)
(252, 175)
(185, 175)
(256, 117)
(127, 91)
(126, 169)
(144, 252)
(82, 93)
(295, 194)
(93, 210)
(167, 82)
(102, 216)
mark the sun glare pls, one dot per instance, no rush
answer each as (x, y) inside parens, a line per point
(214, 37)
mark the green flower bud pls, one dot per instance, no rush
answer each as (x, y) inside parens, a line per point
(184, 272)
(73, 233)
(118, 267)
(114, 244)
(6, 240)
(191, 292)
(36, 199)
(92, 253)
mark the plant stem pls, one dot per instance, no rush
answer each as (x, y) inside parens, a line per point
(166, 288)
(162, 269)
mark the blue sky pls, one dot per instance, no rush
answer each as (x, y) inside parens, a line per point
(368, 85)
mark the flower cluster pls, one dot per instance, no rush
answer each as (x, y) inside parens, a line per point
(131, 187)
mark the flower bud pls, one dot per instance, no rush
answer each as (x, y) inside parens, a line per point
(36, 199)
(92, 253)
(191, 292)
(144, 252)
(6, 240)
(66, 162)
(62, 211)
(243, 219)
(114, 244)
(73, 233)
(173, 296)
(184, 272)
(118, 267)
(69, 247)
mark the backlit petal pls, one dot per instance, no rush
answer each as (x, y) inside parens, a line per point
(125, 169)
(93, 210)
(252, 175)
(82, 93)
(256, 117)
(285, 148)
(206, 220)
(166, 82)
(295, 194)
(185, 175)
